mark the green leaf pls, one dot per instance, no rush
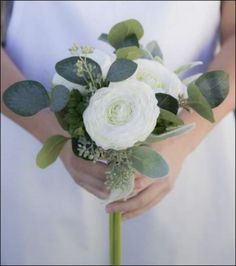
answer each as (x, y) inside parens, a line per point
(170, 117)
(122, 30)
(214, 86)
(165, 121)
(60, 116)
(132, 53)
(121, 69)
(180, 70)
(172, 133)
(26, 98)
(60, 96)
(50, 150)
(148, 162)
(198, 103)
(67, 69)
(103, 37)
(154, 49)
(130, 40)
(167, 102)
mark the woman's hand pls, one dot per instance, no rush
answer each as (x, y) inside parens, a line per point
(148, 192)
(87, 174)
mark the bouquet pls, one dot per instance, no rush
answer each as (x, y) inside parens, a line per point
(114, 106)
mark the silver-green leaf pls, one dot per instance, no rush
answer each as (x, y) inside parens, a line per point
(122, 30)
(26, 98)
(214, 86)
(154, 49)
(132, 53)
(121, 69)
(60, 96)
(199, 103)
(148, 162)
(172, 133)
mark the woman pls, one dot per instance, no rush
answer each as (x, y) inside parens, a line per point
(49, 220)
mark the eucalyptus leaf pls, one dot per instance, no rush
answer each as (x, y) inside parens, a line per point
(148, 162)
(60, 96)
(180, 70)
(103, 37)
(214, 86)
(154, 49)
(26, 98)
(67, 69)
(50, 150)
(130, 40)
(165, 121)
(121, 69)
(170, 117)
(167, 102)
(122, 30)
(131, 53)
(172, 133)
(199, 103)
(60, 118)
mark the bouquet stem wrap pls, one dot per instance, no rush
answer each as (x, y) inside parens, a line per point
(115, 229)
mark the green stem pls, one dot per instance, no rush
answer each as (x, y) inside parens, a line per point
(115, 238)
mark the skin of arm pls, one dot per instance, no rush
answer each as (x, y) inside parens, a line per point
(92, 176)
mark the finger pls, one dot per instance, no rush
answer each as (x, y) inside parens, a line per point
(92, 184)
(98, 193)
(141, 183)
(132, 214)
(139, 201)
(97, 170)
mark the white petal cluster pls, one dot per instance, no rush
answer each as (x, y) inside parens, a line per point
(119, 116)
(161, 79)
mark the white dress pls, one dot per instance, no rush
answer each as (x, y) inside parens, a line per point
(46, 218)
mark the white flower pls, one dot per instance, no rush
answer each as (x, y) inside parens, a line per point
(103, 59)
(161, 79)
(119, 116)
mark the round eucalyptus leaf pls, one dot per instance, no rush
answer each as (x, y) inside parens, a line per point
(148, 162)
(167, 102)
(26, 98)
(214, 86)
(130, 40)
(103, 37)
(60, 96)
(121, 69)
(122, 30)
(67, 69)
(132, 53)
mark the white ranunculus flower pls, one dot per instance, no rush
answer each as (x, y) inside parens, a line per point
(161, 79)
(103, 59)
(119, 116)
